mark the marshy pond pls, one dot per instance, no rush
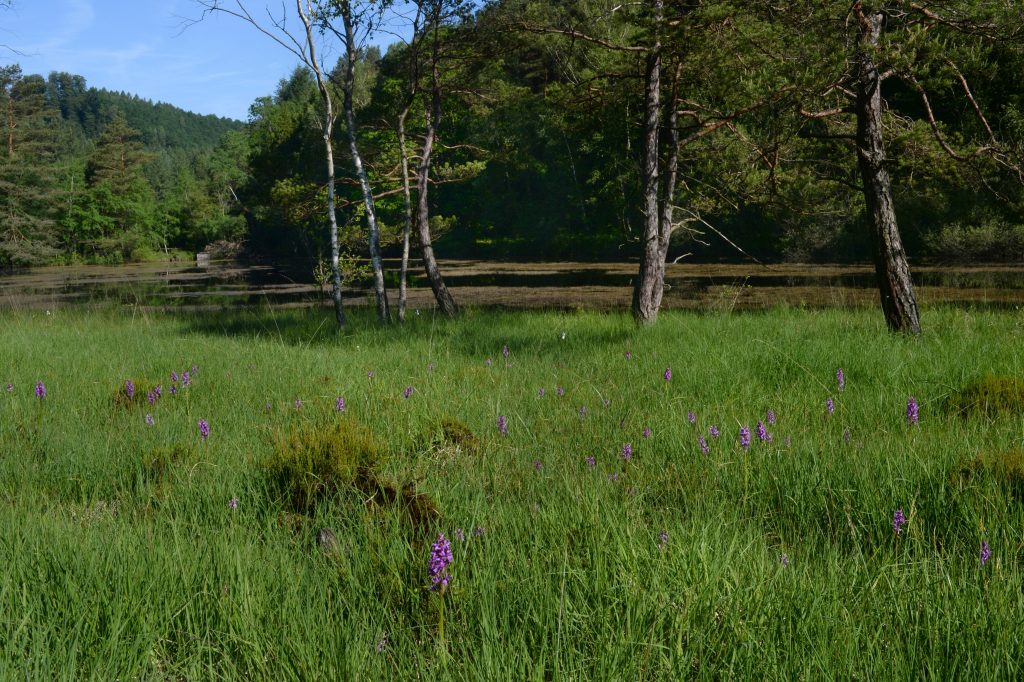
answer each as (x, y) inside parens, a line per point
(184, 286)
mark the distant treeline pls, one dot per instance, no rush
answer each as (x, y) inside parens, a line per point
(92, 175)
(538, 156)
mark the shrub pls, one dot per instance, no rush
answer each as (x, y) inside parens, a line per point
(992, 240)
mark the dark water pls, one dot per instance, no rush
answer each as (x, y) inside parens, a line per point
(598, 285)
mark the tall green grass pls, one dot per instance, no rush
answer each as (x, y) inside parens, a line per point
(122, 558)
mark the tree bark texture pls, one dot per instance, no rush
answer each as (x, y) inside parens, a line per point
(403, 277)
(414, 76)
(444, 298)
(11, 123)
(383, 312)
(668, 192)
(339, 310)
(650, 281)
(895, 285)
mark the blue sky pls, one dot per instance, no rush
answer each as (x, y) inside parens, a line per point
(218, 66)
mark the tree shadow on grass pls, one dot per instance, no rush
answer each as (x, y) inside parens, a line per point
(477, 332)
(293, 327)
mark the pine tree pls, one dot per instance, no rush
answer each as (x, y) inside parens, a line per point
(30, 193)
(119, 210)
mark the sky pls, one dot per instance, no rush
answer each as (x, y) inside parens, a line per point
(148, 48)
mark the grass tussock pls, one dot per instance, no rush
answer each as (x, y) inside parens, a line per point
(988, 396)
(420, 508)
(158, 465)
(124, 399)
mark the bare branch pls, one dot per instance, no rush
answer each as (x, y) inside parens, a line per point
(935, 126)
(826, 113)
(14, 50)
(992, 149)
(211, 6)
(696, 217)
(827, 136)
(974, 103)
(984, 29)
(471, 147)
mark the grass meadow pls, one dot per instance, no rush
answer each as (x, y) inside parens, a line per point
(142, 551)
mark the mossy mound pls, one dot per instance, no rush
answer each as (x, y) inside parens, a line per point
(452, 433)
(990, 395)
(314, 463)
(1004, 467)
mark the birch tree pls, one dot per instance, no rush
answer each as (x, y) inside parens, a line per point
(357, 24)
(437, 16)
(303, 45)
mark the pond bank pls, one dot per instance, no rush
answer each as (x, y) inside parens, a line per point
(183, 286)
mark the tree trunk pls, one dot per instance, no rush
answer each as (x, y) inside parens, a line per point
(407, 226)
(10, 127)
(444, 298)
(414, 77)
(893, 271)
(383, 313)
(650, 281)
(339, 310)
(669, 189)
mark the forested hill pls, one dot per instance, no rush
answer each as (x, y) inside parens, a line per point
(99, 176)
(161, 126)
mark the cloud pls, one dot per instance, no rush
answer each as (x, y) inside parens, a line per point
(78, 17)
(118, 62)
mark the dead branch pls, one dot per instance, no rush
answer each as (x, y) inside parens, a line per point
(987, 30)
(993, 149)
(696, 217)
(825, 113)
(974, 103)
(211, 6)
